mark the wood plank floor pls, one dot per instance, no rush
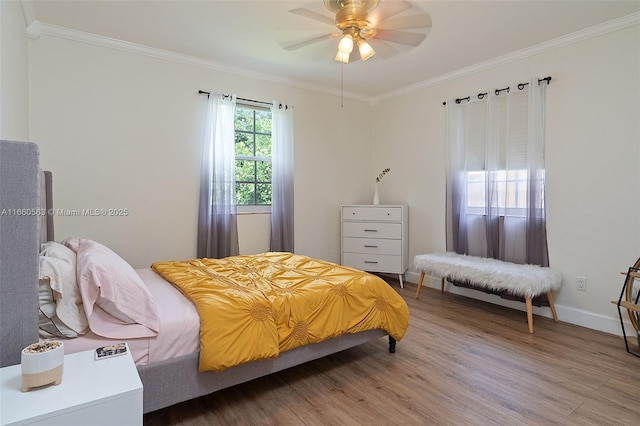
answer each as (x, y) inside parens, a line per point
(462, 362)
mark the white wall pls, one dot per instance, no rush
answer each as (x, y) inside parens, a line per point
(121, 130)
(592, 158)
(254, 233)
(14, 109)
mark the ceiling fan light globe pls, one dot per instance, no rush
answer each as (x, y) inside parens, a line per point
(366, 51)
(346, 44)
(342, 57)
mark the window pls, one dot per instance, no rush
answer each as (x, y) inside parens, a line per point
(496, 176)
(511, 191)
(253, 155)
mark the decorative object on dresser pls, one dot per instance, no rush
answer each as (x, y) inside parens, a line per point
(376, 197)
(41, 364)
(375, 238)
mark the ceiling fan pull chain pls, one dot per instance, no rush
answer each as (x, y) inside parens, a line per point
(341, 85)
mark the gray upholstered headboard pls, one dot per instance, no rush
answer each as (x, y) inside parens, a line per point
(19, 248)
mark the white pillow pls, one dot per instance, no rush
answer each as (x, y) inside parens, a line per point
(48, 322)
(116, 301)
(58, 289)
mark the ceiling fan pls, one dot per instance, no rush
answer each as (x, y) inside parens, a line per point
(362, 20)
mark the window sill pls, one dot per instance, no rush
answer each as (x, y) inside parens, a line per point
(256, 209)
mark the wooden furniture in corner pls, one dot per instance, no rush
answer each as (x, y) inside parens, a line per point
(628, 302)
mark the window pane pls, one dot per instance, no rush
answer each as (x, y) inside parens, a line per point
(511, 195)
(245, 170)
(245, 194)
(263, 193)
(501, 192)
(264, 171)
(244, 119)
(263, 146)
(522, 174)
(475, 194)
(522, 194)
(263, 122)
(244, 144)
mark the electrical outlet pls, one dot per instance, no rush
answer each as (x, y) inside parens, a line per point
(581, 283)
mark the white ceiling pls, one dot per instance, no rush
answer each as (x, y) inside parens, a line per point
(248, 36)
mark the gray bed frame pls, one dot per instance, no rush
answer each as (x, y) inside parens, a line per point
(23, 187)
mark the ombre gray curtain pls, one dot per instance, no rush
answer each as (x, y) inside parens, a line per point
(217, 215)
(282, 178)
(496, 176)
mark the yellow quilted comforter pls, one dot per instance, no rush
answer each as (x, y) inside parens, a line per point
(254, 307)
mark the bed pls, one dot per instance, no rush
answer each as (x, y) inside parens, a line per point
(169, 378)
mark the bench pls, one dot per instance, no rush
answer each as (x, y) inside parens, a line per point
(525, 281)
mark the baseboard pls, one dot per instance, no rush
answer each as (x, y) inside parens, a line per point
(566, 314)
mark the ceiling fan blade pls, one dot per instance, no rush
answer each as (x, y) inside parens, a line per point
(313, 15)
(383, 49)
(387, 9)
(310, 41)
(422, 20)
(402, 37)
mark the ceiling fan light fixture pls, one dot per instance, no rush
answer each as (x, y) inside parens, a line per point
(342, 57)
(346, 44)
(366, 51)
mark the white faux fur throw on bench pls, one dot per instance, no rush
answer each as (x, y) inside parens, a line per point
(519, 280)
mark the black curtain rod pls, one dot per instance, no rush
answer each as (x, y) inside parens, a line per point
(497, 91)
(202, 92)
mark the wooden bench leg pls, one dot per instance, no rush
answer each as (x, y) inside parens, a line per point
(529, 314)
(420, 285)
(552, 306)
(442, 285)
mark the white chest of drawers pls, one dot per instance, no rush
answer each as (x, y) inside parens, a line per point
(375, 238)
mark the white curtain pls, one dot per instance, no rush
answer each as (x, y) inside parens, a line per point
(282, 177)
(217, 218)
(496, 175)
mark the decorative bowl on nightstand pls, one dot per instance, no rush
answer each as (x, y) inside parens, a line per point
(41, 364)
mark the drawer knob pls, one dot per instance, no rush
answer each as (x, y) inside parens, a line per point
(368, 246)
(370, 261)
(370, 230)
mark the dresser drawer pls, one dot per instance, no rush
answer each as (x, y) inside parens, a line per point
(391, 214)
(372, 246)
(374, 262)
(372, 230)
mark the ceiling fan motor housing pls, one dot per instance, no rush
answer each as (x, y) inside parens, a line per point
(352, 13)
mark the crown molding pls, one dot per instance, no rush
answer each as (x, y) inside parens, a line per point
(38, 29)
(35, 29)
(29, 12)
(576, 37)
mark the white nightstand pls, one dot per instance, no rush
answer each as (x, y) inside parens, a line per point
(105, 392)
